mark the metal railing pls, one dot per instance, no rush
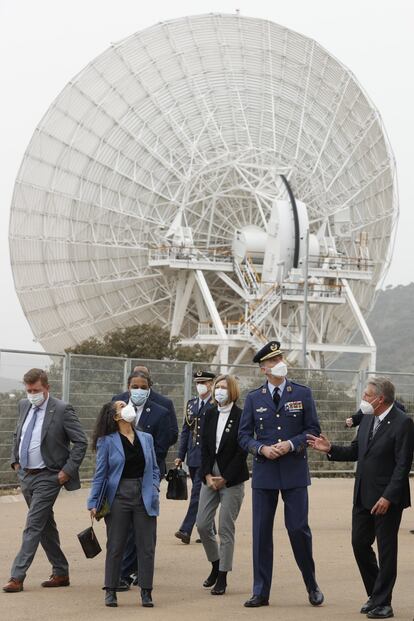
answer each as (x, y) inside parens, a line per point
(89, 381)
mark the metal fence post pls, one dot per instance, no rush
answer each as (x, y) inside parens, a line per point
(127, 371)
(362, 380)
(188, 382)
(66, 378)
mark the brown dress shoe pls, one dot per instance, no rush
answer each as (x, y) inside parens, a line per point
(13, 586)
(56, 581)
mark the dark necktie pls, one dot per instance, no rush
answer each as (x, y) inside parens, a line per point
(375, 424)
(24, 453)
(276, 397)
(201, 407)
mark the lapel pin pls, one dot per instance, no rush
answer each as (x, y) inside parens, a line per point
(289, 389)
(147, 410)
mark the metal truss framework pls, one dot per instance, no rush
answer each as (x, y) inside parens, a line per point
(197, 119)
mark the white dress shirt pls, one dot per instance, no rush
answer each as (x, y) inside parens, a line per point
(138, 411)
(35, 459)
(381, 417)
(224, 413)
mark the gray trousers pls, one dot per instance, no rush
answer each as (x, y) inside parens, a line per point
(128, 511)
(230, 500)
(40, 492)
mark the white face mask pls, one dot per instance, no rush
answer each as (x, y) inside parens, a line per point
(36, 398)
(279, 370)
(202, 389)
(221, 395)
(128, 413)
(366, 407)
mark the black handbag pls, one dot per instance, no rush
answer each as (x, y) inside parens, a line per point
(89, 542)
(177, 484)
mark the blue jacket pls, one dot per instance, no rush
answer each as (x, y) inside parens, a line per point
(192, 432)
(261, 423)
(154, 420)
(110, 461)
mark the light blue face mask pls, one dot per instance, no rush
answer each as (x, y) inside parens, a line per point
(139, 395)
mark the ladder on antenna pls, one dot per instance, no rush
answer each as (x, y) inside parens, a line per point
(247, 276)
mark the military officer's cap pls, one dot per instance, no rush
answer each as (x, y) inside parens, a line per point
(203, 376)
(270, 350)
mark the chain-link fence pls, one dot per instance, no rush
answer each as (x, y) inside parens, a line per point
(89, 381)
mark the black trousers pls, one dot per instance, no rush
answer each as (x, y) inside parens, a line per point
(378, 576)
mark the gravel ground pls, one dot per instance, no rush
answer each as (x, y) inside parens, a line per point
(180, 569)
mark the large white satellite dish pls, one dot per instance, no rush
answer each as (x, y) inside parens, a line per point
(179, 178)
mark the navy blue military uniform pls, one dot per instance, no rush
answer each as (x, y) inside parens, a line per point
(263, 423)
(190, 450)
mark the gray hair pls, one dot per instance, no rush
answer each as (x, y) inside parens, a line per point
(383, 386)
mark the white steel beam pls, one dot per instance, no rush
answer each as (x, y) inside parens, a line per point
(185, 286)
(208, 299)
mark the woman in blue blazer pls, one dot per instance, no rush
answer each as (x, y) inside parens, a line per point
(126, 464)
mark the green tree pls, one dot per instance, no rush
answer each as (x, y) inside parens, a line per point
(142, 341)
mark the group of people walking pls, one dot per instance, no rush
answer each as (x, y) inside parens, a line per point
(278, 422)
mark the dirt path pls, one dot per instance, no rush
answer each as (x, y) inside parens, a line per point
(180, 569)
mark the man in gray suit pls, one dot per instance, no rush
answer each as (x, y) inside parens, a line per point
(44, 461)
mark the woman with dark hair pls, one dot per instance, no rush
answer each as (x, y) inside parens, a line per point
(127, 465)
(224, 470)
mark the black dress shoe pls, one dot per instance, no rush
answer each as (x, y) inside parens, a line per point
(146, 598)
(123, 585)
(381, 612)
(110, 598)
(316, 597)
(185, 537)
(255, 601)
(367, 606)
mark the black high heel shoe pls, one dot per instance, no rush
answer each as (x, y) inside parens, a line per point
(221, 583)
(110, 598)
(146, 598)
(211, 579)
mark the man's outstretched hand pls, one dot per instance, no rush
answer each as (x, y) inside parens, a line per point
(319, 443)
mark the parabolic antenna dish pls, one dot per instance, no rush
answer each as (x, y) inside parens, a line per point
(179, 178)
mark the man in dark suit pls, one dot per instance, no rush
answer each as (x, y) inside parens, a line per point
(151, 417)
(276, 418)
(383, 449)
(156, 397)
(44, 461)
(190, 447)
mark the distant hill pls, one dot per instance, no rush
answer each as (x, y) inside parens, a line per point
(392, 325)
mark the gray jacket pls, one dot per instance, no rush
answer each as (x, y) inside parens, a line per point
(61, 428)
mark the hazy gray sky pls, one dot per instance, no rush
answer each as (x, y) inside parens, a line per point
(44, 43)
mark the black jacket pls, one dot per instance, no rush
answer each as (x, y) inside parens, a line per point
(384, 462)
(230, 457)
